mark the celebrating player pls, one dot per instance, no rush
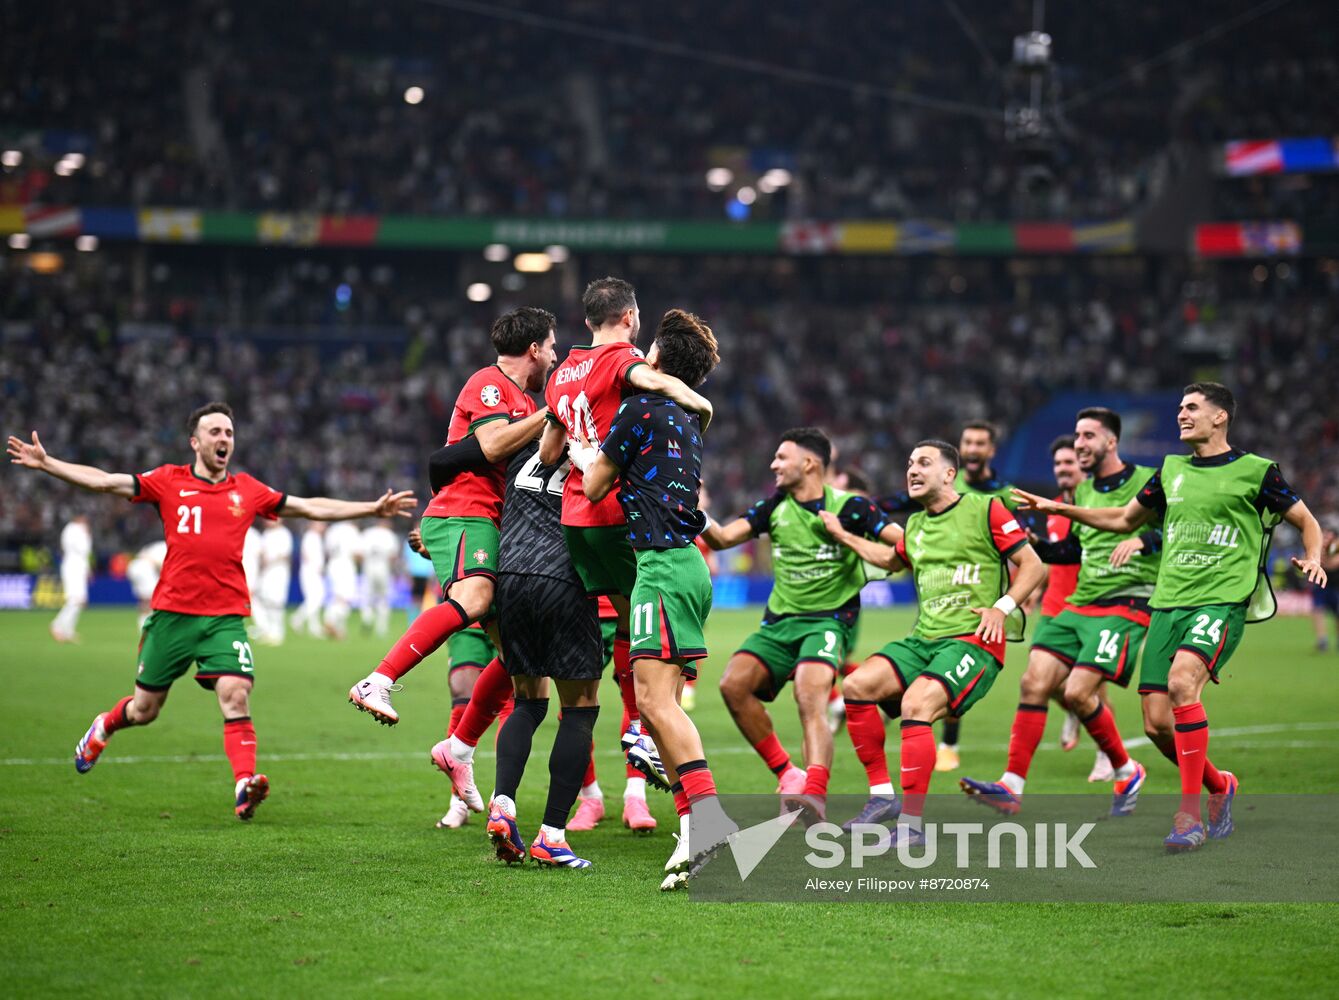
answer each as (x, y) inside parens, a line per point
(654, 450)
(76, 549)
(956, 548)
(202, 596)
(1219, 505)
(1098, 632)
(807, 627)
(460, 527)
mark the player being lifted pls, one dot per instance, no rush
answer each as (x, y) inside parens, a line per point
(1219, 505)
(956, 548)
(202, 596)
(583, 396)
(807, 627)
(976, 451)
(654, 451)
(1097, 635)
(494, 414)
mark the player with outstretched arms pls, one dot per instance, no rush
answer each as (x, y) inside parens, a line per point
(1218, 505)
(202, 596)
(958, 549)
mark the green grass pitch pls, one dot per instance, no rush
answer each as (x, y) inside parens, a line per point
(136, 880)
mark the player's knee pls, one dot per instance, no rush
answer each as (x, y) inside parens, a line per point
(1182, 687)
(1034, 688)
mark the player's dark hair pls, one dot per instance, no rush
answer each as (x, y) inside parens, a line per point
(858, 482)
(981, 425)
(811, 439)
(1216, 393)
(1063, 441)
(193, 421)
(606, 299)
(1109, 419)
(512, 333)
(949, 453)
(687, 347)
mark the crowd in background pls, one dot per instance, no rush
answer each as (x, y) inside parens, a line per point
(591, 109)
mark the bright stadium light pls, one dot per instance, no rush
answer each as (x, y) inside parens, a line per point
(63, 169)
(532, 263)
(11, 158)
(86, 243)
(746, 195)
(765, 185)
(777, 177)
(480, 291)
(557, 253)
(75, 160)
(497, 252)
(413, 95)
(719, 178)
(20, 241)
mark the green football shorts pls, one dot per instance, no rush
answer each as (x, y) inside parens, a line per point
(670, 604)
(965, 670)
(1105, 643)
(171, 642)
(602, 558)
(461, 547)
(784, 644)
(470, 647)
(1212, 633)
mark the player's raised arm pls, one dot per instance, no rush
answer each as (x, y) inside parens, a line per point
(1131, 517)
(390, 504)
(1313, 539)
(727, 536)
(647, 379)
(34, 456)
(552, 442)
(500, 440)
(875, 553)
(598, 473)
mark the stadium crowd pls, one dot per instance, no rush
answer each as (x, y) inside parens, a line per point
(302, 107)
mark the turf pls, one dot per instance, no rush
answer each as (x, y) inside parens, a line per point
(136, 879)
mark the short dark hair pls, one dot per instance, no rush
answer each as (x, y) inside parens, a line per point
(981, 425)
(947, 450)
(1109, 419)
(1062, 442)
(606, 299)
(811, 439)
(1216, 393)
(513, 332)
(193, 421)
(857, 481)
(687, 347)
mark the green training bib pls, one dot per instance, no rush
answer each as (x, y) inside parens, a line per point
(1097, 578)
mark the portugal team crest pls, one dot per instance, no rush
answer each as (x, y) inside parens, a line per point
(480, 556)
(491, 395)
(235, 499)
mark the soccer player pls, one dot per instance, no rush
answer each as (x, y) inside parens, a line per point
(807, 627)
(468, 654)
(460, 527)
(202, 596)
(653, 451)
(76, 549)
(143, 573)
(1098, 632)
(311, 578)
(342, 548)
(583, 396)
(276, 572)
(380, 547)
(1219, 505)
(956, 548)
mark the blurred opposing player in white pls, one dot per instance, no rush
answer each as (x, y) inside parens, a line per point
(251, 548)
(276, 571)
(143, 573)
(380, 551)
(311, 578)
(76, 547)
(343, 543)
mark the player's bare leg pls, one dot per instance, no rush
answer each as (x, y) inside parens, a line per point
(1083, 698)
(138, 709)
(744, 677)
(812, 683)
(239, 743)
(865, 688)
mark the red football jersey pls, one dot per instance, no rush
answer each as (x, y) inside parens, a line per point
(489, 394)
(606, 609)
(1060, 580)
(205, 527)
(583, 396)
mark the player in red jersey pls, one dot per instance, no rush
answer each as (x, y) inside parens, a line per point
(202, 595)
(583, 396)
(495, 415)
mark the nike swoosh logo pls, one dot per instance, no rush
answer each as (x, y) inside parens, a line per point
(188, 493)
(1185, 753)
(906, 769)
(415, 649)
(248, 743)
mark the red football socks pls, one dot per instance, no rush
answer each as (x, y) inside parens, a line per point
(116, 718)
(816, 780)
(491, 692)
(918, 764)
(457, 710)
(1192, 749)
(239, 743)
(430, 629)
(866, 729)
(627, 687)
(695, 777)
(1101, 726)
(1214, 782)
(1025, 737)
(681, 806)
(773, 754)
